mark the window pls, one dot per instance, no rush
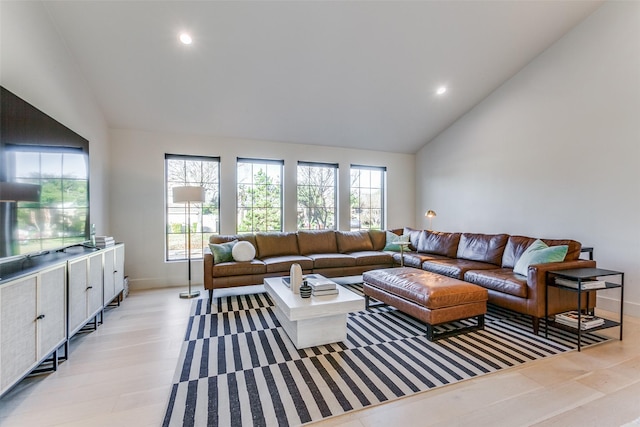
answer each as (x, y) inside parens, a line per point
(61, 216)
(367, 197)
(204, 218)
(259, 195)
(317, 191)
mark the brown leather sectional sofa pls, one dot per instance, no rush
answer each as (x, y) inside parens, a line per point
(327, 252)
(486, 260)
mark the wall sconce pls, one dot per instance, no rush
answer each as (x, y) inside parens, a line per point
(430, 214)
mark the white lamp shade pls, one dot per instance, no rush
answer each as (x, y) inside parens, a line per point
(188, 194)
(19, 192)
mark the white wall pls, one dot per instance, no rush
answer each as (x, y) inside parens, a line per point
(554, 152)
(137, 191)
(36, 66)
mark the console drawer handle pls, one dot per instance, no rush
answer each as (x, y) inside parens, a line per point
(89, 287)
(40, 317)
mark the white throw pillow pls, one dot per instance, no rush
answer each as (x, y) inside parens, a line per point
(243, 251)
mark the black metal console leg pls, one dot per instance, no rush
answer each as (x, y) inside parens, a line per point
(366, 302)
(55, 360)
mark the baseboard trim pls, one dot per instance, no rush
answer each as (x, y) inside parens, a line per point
(154, 283)
(613, 305)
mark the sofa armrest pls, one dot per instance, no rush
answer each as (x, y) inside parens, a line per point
(562, 299)
(208, 268)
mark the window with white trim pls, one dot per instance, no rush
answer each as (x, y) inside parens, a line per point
(259, 195)
(202, 218)
(317, 195)
(367, 197)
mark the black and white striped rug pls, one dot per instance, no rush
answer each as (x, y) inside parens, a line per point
(237, 366)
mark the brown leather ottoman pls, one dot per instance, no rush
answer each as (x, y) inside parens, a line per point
(429, 297)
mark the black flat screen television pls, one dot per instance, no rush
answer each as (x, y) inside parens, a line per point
(44, 181)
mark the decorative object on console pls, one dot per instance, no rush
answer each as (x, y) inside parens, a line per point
(243, 251)
(295, 274)
(104, 241)
(305, 290)
(430, 214)
(188, 194)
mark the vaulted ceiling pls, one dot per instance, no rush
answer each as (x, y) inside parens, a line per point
(357, 74)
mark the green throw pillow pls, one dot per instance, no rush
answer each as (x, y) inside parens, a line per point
(392, 240)
(222, 252)
(539, 253)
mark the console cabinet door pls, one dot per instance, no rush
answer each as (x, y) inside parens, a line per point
(95, 288)
(78, 277)
(118, 272)
(109, 278)
(18, 342)
(52, 325)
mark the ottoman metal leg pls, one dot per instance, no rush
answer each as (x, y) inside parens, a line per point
(434, 336)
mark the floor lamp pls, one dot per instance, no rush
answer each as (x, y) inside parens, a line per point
(188, 195)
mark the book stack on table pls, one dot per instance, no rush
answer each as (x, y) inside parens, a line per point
(584, 285)
(587, 321)
(322, 286)
(104, 241)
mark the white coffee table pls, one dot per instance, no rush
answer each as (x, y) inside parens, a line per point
(312, 321)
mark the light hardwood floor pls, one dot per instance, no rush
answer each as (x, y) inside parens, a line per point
(120, 375)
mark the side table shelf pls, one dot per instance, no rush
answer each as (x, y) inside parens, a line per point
(580, 275)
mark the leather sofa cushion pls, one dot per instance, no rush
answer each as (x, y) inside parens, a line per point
(239, 268)
(439, 243)
(415, 259)
(223, 238)
(353, 241)
(502, 280)
(482, 247)
(516, 245)
(414, 237)
(378, 239)
(372, 257)
(317, 242)
(283, 263)
(332, 260)
(454, 267)
(275, 244)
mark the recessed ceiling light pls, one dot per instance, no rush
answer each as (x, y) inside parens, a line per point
(185, 38)
(441, 90)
